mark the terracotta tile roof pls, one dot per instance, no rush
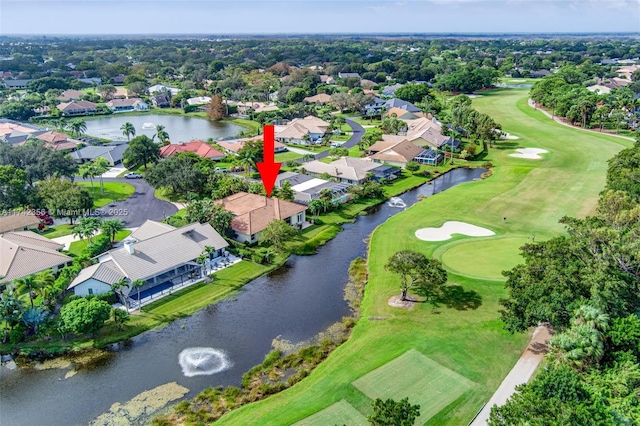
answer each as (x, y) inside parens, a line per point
(236, 145)
(26, 253)
(254, 212)
(199, 147)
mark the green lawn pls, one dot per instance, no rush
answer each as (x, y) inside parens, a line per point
(464, 334)
(480, 258)
(415, 376)
(340, 413)
(76, 247)
(57, 231)
(113, 191)
(283, 157)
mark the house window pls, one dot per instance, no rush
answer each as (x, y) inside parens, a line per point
(299, 220)
(90, 291)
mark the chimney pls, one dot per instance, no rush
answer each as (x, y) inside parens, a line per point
(128, 245)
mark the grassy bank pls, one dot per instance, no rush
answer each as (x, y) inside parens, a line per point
(464, 334)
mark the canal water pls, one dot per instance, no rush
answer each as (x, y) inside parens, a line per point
(295, 302)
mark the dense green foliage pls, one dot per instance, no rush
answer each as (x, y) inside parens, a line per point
(84, 316)
(393, 413)
(587, 286)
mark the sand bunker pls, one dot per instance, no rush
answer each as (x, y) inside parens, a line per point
(529, 153)
(446, 231)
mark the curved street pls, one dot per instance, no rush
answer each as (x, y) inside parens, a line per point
(139, 207)
(358, 133)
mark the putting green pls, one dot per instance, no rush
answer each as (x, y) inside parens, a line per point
(485, 258)
(340, 413)
(417, 377)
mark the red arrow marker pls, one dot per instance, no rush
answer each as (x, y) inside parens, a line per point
(268, 168)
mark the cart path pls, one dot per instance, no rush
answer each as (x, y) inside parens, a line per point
(533, 105)
(519, 374)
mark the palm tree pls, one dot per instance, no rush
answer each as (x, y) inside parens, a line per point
(111, 227)
(226, 94)
(326, 197)
(118, 287)
(28, 284)
(137, 284)
(87, 227)
(87, 171)
(128, 130)
(315, 206)
(161, 133)
(45, 281)
(100, 166)
(202, 260)
(78, 126)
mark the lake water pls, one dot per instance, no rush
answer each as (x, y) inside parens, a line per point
(179, 128)
(297, 301)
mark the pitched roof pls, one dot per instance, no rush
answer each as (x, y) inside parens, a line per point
(344, 168)
(149, 229)
(199, 147)
(321, 98)
(254, 212)
(115, 103)
(75, 105)
(68, 95)
(400, 152)
(401, 114)
(163, 252)
(25, 253)
(113, 153)
(106, 272)
(298, 127)
(399, 103)
(423, 128)
(236, 145)
(16, 221)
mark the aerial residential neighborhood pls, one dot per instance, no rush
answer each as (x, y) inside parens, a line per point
(303, 213)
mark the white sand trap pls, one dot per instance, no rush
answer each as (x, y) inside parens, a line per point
(449, 228)
(509, 136)
(529, 153)
(474, 96)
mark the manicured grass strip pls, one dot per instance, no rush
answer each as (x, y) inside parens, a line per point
(191, 299)
(58, 231)
(340, 413)
(485, 258)
(113, 191)
(283, 157)
(417, 377)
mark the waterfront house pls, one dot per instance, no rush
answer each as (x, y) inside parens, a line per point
(130, 104)
(253, 213)
(397, 153)
(23, 253)
(112, 153)
(77, 108)
(307, 188)
(351, 170)
(158, 254)
(198, 147)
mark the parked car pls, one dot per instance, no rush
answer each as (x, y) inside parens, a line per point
(221, 170)
(133, 176)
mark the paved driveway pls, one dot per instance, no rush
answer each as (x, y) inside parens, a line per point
(358, 133)
(142, 205)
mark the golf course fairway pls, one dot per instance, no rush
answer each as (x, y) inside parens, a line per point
(460, 346)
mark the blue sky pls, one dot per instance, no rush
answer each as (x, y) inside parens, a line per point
(310, 16)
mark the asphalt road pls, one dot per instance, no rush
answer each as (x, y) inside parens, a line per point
(135, 210)
(358, 133)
